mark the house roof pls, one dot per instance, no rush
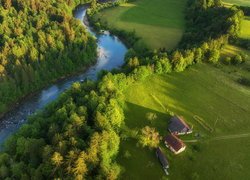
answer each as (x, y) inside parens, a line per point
(174, 142)
(161, 157)
(177, 124)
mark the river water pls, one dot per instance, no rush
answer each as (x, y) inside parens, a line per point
(111, 52)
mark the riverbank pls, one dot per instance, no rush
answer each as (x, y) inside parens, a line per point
(110, 55)
(14, 105)
(40, 52)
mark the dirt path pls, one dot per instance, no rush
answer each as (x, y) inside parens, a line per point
(235, 136)
(219, 138)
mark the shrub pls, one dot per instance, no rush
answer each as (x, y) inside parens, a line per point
(227, 60)
(244, 81)
(149, 137)
(151, 116)
(237, 59)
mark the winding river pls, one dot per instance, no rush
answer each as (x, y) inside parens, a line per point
(111, 52)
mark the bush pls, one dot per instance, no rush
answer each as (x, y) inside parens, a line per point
(213, 56)
(149, 137)
(237, 59)
(142, 72)
(244, 57)
(244, 81)
(227, 60)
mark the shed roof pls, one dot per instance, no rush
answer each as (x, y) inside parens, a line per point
(174, 142)
(177, 124)
(161, 157)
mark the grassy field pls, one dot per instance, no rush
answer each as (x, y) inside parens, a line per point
(231, 51)
(210, 93)
(245, 28)
(238, 2)
(160, 23)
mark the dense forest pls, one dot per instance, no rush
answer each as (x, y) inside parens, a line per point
(40, 41)
(78, 136)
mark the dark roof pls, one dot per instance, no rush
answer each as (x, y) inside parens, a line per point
(161, 157)
(177, 124)
(174, 142)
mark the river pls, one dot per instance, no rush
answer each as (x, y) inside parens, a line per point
(111, 52)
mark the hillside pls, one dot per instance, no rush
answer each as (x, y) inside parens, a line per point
(214, 95)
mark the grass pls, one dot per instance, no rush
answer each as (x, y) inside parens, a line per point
(245, 28)
(238, 2)
(231, 51)
(211, 93)
(160, 23)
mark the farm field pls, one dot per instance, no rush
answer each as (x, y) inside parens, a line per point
(160, 23)
(245, 28)
(203, 92)
(238, 2)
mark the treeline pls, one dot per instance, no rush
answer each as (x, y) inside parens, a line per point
(245, 9)
(78, 136)
(40, 41)
(242, 42)
(209, 26)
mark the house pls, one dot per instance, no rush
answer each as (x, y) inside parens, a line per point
(162, 159)
(174, 144)
(178, 126)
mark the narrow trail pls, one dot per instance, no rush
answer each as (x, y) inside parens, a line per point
(220, 138)
(234, 136)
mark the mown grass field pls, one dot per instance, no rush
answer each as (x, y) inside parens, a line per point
(160, 23)
(245, 28)
(238, 2)
(211, 93)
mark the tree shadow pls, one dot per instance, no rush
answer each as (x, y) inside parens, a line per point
(135, 118)
(153, 14)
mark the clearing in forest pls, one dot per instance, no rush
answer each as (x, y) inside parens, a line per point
(160, 23)
(245, 28)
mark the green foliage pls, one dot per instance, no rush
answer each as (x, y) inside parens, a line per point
(149, 137)
(213, 56)
(40, 42)
(151, 116)
(237, 59)
(78, 136)
(227, 60)
(74, 137)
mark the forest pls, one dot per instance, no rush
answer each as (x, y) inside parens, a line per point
(40, 42)
(78, 136)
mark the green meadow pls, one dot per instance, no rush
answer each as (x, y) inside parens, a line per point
(160, 23)
(212, 101)
(238, 2)
(245, 28)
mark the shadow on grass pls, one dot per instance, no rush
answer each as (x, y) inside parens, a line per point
(135, 117)
(156, 13)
